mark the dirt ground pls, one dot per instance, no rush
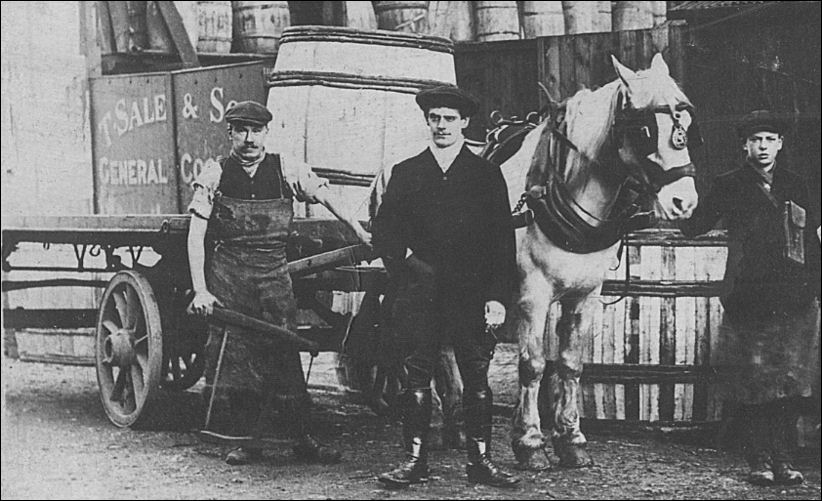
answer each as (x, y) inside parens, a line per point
(58, 443)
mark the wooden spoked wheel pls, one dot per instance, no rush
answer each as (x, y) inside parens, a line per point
(184, 343)
(128, 348)
(184, 363)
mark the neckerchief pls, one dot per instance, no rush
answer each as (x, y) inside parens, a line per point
(249, 166)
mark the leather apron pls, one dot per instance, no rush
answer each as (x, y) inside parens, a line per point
(247, 271)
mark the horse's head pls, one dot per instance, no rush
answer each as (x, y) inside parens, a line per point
(652, 131)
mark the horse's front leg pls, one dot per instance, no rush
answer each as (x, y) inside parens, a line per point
(568, 440)
(529, 318)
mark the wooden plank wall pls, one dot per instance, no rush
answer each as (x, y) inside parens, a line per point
(46, 144)
(504, 75)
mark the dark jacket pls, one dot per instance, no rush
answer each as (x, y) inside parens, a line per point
(759, 282)
(459, 223)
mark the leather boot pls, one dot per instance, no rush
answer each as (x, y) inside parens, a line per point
(481, 469)
(308, 448)
(415, 428)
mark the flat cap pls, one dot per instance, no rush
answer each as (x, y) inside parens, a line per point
(760, 121)
(249, 112)
(448, 96)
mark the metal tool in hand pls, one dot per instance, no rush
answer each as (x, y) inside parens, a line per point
(230, 317)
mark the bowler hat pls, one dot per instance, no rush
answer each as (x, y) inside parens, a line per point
(448, 96)
(248, 112)
(760, 121)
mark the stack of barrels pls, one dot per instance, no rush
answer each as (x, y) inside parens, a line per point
(256, 26)
(487, 21)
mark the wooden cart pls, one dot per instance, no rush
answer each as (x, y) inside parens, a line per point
(145, 341)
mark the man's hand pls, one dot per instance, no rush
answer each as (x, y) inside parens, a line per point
(203, 304)
(494, 314)
(364, 237)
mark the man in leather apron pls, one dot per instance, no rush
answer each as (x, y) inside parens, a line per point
(769, 336)
(244, 203)
(444, 232)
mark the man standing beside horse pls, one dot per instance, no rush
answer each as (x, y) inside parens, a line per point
(769, 330)
(444, 232)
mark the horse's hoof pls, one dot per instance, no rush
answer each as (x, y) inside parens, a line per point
(572, 455)
(531, 459)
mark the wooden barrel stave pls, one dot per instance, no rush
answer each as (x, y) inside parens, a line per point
(214, 21)
(258, 25)
(496, 21)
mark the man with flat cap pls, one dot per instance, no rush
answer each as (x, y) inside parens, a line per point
(245, 203)
(444, 232)
(769, 332)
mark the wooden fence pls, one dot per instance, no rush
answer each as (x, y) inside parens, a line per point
(648, 351)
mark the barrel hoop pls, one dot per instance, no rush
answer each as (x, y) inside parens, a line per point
(349, 81)
(386, 38)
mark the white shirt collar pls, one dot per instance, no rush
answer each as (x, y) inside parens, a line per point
(446, 156)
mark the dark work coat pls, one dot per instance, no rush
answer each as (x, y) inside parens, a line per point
(458, 223)
(759, 282)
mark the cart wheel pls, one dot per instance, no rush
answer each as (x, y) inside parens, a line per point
(184, 363)
(128, 348)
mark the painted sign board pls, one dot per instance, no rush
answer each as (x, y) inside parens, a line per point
(132, 121)
(202, 97)
(152, 134)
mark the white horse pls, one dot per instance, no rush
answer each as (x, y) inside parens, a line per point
(623, 143)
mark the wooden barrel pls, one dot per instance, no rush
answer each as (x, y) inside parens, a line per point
(402, 16)
(258, 25)
(580, 17)
(496, 21)
(214, 27)
(602, 17)
(343, 101)
(542, 19)
(452, 20)
(632, 16)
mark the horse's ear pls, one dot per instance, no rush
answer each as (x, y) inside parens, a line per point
(625, 74)
(659, 65)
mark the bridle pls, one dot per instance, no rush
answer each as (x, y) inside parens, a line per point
(639, 129)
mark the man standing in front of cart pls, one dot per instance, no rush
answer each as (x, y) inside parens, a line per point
(445, 235)
(244, 203)
(770, 326)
